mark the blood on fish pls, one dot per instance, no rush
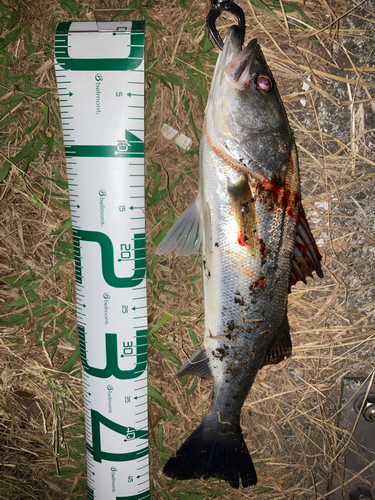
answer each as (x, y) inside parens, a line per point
(261, 281)
(280, 194)
(258, 283)
(301, 246)
(243, 240)
(262, 250)
(283, 197)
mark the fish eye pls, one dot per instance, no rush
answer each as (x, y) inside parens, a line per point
(264, 82)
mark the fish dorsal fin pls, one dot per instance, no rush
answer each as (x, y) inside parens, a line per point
(306, 258)
(186, 233)
(197, 365)
(281, 348)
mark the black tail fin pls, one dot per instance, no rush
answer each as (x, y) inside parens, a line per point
(214, 452)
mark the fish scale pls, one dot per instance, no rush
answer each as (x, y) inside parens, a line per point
(246, 217)
(232, 270)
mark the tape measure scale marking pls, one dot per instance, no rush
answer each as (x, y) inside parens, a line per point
(105, 165)
(131, 63)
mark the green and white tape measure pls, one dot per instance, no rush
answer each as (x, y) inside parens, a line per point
(100, 76)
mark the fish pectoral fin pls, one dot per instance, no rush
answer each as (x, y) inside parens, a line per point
(306, 258)
(186, 233)
(207, 247)
(197, 365)
(244, 214)
(282, 345)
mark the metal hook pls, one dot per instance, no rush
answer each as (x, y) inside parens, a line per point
(217, 7)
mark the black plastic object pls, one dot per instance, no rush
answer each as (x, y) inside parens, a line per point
(217, 7)
(356, 469)
(360, 492)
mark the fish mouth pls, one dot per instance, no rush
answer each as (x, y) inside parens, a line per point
(238, 67)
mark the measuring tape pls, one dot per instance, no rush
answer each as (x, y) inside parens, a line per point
(100, 77)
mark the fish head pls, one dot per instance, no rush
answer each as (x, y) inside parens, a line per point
(245, 120)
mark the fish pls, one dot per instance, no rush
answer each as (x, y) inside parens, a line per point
(255, 243)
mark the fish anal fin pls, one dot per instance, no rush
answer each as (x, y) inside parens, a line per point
(306, 257)
(281, 348)
(197, 365)
(186, 233)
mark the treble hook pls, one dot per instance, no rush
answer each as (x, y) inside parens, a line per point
(217, 7)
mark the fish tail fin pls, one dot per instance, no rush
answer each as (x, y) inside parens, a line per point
(214, 449)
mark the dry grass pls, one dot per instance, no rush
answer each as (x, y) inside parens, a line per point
(290, 419)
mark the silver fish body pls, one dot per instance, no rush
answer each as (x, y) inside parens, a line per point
(246, 218)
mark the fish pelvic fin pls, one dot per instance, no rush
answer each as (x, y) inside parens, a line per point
(186, 233)
(197, 365)
(306, 258)
(214, 449)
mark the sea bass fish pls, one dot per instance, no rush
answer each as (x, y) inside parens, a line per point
(256, 243)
